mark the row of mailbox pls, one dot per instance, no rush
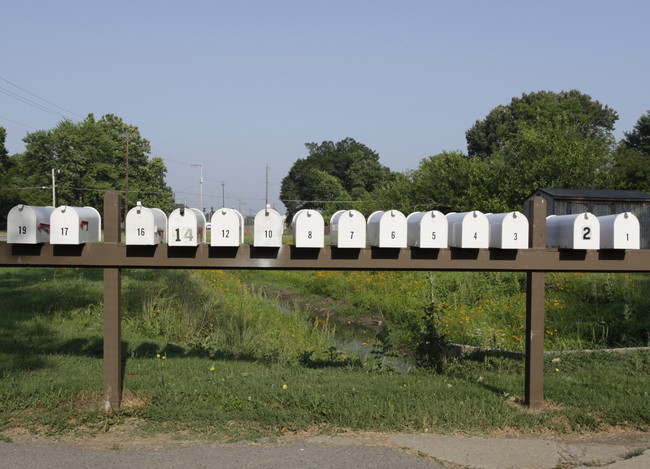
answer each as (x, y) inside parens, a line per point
(348, 228)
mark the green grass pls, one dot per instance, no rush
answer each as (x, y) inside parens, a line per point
(227, 380)
(486, 309)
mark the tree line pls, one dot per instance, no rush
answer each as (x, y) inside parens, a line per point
(541, 139)
(88, 159)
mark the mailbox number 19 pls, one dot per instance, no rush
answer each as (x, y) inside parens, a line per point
(22, 230)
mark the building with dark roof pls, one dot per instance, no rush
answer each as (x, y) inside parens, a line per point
(600, 203)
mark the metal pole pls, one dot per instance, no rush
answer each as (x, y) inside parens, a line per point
(126, 191)
(535, 295)
(53, 190)
(267, 186)
(112, 309)
(200, 187)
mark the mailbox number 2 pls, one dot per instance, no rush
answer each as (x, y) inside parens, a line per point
(586, 233)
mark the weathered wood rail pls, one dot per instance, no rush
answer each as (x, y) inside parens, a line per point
(112, 256)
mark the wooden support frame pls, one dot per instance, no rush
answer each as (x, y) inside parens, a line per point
(112, 256)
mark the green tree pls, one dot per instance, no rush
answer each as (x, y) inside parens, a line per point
(639, 138)
(502, 125)
(544, 139)
(353, 165)
(632, 158)
(8, 197)
(90, 159)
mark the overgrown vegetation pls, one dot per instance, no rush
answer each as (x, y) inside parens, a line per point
(486, 309)
(206, 355)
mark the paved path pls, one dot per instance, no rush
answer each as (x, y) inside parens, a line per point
(356, 451)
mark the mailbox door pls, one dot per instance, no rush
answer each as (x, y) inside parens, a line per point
(183, 228)
(351, 230)
(392, 230)
(64, 226)
(140, 227)
(267, 231)
(586, 232)
(27, 224)
(308, 229)
(225, 228)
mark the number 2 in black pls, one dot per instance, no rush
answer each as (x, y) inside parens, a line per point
(586, 233)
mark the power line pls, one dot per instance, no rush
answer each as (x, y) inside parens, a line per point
(29, 102)
(42, 99)
(19, 123)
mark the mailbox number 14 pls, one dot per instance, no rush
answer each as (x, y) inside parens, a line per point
(188, 234)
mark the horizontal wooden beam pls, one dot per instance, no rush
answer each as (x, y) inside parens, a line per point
(288, 257)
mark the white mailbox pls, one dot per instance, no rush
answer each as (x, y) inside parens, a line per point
(75, 225)
(348, 229)
(186, 227)
(468, 230)
(427, 229)
(146, 226)
(387, 229)
(28, 224)
(267, 231)
(620, 231)
(227, 228)
(508, 230)
(308, 229)
(576, 231)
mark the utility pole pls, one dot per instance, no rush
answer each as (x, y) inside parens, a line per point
(200, 187)
(223, 194)
(267, 186)
(126, 182)
(54, 188)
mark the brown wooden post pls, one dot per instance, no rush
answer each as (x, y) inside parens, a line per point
(535, 297)
(112, 308)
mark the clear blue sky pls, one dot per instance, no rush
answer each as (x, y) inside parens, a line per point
(239, 85)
